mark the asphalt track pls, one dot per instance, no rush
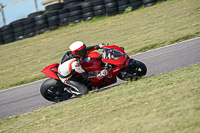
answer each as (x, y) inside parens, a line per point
(26, 98)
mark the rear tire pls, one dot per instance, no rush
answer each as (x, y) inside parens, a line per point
(53, 90)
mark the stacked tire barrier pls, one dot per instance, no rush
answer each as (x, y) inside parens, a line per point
(75, 13)
(41, 23)
(111, 7)
(99, 8)
(18, 28)
(122, 5)
(53, 20)
(29, 27)
(62, 14)
(1, 39)
(7, 34)
(135, 4)
(87, 9)
(148, 2)
(56, 6)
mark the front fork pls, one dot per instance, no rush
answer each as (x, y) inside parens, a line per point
(128, 74)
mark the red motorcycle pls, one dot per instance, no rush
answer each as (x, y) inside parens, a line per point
(119, 65)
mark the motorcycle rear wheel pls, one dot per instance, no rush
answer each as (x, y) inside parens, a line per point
(53, 90)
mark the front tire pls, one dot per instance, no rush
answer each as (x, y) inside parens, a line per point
(53, 90)
(138, 69)
(135, 70)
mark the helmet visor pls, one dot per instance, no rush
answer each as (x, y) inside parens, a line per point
(82, 53)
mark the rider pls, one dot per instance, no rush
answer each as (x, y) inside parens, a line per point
(70, 64)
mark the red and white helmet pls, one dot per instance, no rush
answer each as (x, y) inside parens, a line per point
(79, 49)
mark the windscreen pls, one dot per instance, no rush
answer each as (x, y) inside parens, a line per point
(111, 54)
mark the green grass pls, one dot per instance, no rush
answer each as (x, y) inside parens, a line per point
(137, 31)
(166, 103)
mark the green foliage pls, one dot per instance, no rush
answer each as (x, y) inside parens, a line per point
(128, 9)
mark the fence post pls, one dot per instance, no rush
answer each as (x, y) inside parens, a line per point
(2, 13)
(36, 8)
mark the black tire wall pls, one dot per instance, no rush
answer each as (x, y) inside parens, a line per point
(29, 27)
(87, 9)
(7, 34)
(41, 23)
(62, 14)
(53, 20)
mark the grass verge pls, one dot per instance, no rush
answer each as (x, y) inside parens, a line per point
(164, 103)
(159, 25)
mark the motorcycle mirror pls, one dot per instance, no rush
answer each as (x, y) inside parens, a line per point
(107, 44)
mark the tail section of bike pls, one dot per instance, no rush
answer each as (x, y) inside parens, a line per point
(50, 71)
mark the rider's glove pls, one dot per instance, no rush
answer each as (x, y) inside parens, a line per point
(101, 45)
(103, 73)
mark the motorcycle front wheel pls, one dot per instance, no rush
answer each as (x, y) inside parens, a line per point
(53, 90)
(138, 68)
(135, 70)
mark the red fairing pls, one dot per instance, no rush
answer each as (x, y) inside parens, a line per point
(115, 47)
(94, 63)
(122, 61)
(50, 71)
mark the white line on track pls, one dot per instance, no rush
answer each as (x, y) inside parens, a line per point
(168, 46)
